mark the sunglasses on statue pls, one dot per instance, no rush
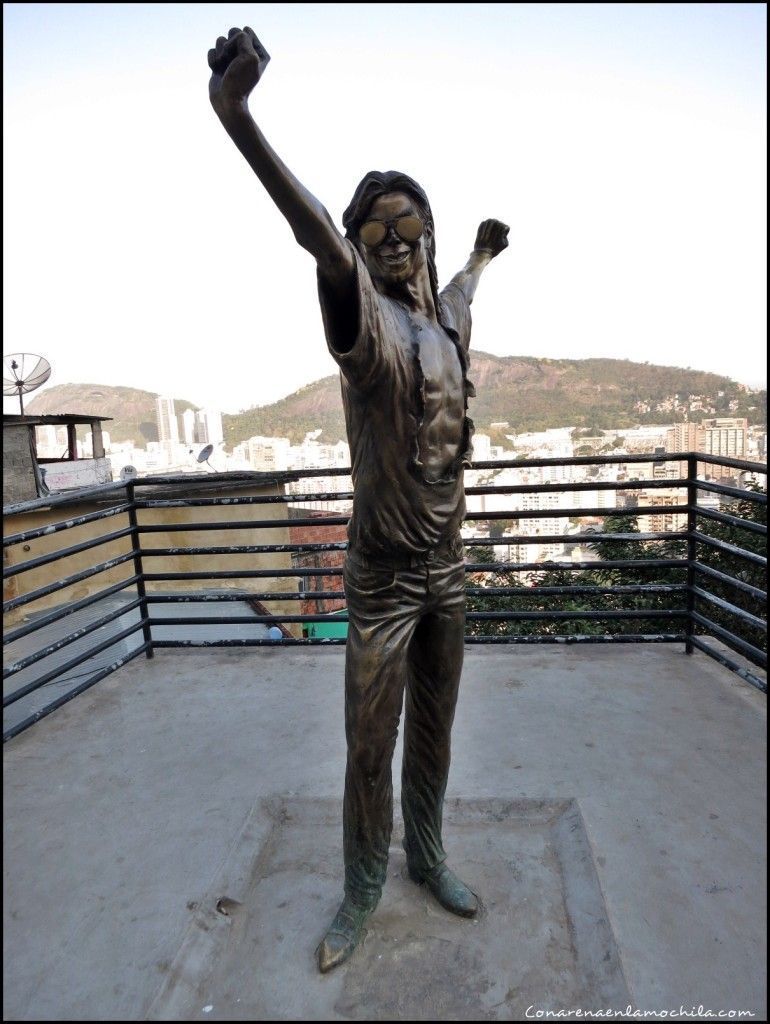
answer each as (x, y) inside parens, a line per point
(408, 229)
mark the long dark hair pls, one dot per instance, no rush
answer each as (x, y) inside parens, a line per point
(378, 183)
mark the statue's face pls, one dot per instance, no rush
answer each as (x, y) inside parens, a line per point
(395, 258)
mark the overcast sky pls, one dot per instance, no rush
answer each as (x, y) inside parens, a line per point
(623, 143)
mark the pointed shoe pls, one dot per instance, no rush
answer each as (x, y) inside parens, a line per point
(343, 936)
(452, 893)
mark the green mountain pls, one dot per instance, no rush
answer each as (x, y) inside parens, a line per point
(132, 410)
(531, 394)
(526, 393)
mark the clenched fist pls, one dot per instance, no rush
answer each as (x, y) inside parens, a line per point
(237, 64)
(492, 237)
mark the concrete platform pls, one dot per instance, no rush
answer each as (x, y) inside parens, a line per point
(542, 924)
(607, 804)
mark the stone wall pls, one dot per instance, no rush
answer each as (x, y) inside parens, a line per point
(18, 472)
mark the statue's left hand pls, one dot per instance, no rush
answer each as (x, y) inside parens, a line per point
(492, 237)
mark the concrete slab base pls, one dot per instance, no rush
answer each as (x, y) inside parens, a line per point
(542, 937)
(126, 809)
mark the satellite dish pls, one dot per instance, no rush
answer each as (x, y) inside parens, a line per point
(128, 473)
(24, 372)
(205, 454)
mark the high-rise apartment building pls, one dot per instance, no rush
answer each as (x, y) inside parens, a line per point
(168, 429)
(725, 436)
(208, 427)
(684, 437)
(188, 426)
(201, 428)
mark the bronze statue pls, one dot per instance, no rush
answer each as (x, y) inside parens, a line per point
(402, 348)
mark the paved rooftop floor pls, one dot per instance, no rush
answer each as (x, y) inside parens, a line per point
(607, 804)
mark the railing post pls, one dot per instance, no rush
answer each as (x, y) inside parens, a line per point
(136, 544)
(692, 526)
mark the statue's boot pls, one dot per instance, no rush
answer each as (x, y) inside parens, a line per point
(452, 893)
(343, 935)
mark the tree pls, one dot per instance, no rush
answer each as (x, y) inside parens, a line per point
(537, 598)
(602, 576)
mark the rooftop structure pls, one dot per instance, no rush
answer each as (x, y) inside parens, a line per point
(28, 475)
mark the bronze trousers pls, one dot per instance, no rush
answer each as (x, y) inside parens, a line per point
(406, 629)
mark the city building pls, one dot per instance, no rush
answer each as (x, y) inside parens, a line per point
(168, 429)
(268, 453)
(188, 426)
(662, 522)
(725, 436)
(641, 440)
(482, 448)
(556, 442)
(684, 437)
(208, 427)
(668, 470)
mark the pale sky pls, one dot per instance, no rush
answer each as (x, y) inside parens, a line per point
(623, 143)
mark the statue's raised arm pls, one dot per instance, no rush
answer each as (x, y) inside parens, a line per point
(237, 64)
(491, 239)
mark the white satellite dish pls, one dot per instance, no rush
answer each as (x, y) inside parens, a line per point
(128, 473)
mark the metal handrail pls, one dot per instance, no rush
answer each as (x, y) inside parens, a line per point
(698, 582)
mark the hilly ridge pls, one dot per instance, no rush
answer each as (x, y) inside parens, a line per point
(526, 392)
(529, 394)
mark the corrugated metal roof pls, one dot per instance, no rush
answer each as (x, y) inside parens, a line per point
(14, 419)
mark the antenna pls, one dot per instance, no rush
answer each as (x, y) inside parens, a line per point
(24, 372)
(205, 454)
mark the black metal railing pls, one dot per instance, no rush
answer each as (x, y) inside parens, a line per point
(703, 583)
